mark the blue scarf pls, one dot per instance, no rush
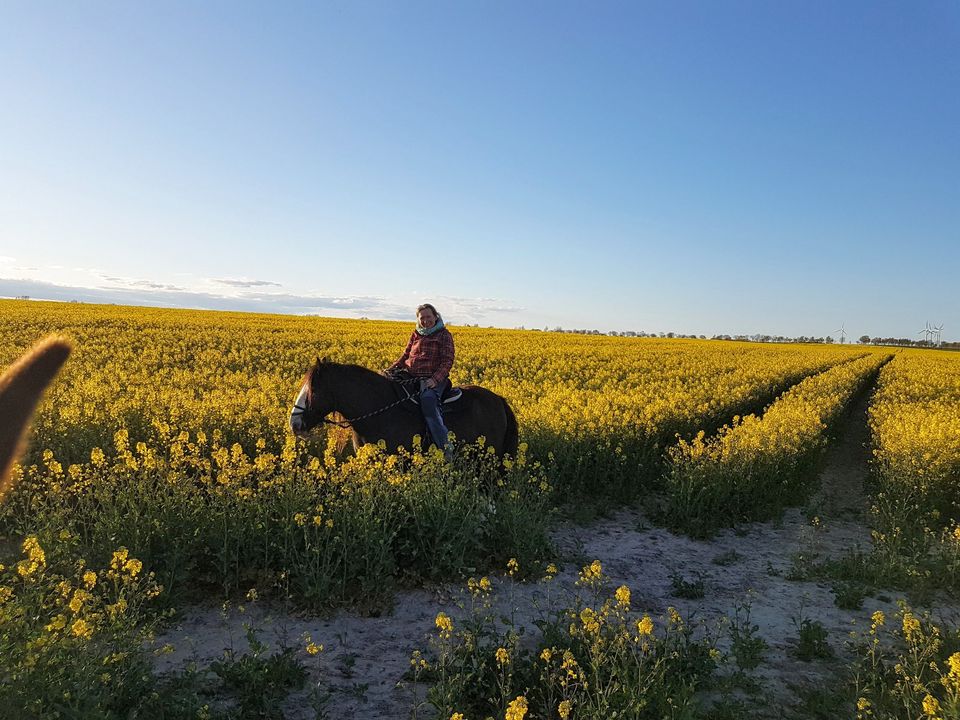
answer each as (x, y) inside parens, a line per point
(437, 326)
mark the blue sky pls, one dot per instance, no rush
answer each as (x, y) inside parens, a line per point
(696, 167)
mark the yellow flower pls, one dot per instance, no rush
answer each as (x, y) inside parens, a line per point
(931, 706)
(300, 519)
(417, 661)
(119, 558)
(517, 709)
(513, 567)
(82, 629)
(313, 648)
(444, 625)
(564, 709)
(78, 599)
(58, 623)
(477, 587)
(546, 655)
(570, 665)
(590, 621)
(644, 626)
(863, 704)
(90, 579)
(456, 716)
(878, 618)
(591, 574)
(623, 596)
(34, 552)
(911, 625)
(503, 657)
(954, 662)
(133, 566)
(97, 457)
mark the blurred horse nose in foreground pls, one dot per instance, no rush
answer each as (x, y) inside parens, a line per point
(20, 389)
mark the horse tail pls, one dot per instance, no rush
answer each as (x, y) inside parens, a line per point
(511, 436)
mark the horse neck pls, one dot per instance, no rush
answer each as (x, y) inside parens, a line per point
(358, 390)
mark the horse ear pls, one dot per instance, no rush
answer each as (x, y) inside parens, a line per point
(322, 360)
(20, 389)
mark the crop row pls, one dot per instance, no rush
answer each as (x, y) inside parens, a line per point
(757, 465)
(915, 424)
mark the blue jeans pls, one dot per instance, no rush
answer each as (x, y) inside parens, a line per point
(430, 407)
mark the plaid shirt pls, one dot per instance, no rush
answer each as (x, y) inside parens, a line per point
(428, 356)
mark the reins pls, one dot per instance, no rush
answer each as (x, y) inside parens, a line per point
(349, 423)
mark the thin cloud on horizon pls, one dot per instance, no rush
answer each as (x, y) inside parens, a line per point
(127, 291)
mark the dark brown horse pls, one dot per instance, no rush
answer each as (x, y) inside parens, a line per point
(371, 405)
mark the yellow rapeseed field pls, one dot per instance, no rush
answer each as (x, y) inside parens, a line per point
(915, 422)
(601, 408)
(161, 469)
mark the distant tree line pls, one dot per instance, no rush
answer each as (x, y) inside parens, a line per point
(759, 337)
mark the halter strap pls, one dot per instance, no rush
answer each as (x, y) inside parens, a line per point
(349, 423)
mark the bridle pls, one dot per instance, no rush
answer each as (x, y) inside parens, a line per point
(299, 410)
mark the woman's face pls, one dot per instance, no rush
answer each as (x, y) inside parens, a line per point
(426, 318)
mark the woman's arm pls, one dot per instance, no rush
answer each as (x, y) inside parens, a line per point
(402, 362)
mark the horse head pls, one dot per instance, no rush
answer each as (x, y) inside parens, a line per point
(313, 402)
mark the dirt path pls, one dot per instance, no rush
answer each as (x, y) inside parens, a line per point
(365, 658)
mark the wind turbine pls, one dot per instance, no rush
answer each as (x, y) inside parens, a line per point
(843, 333)
(926, 332)
(939, 331)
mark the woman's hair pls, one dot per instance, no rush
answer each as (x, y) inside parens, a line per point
(427, 306)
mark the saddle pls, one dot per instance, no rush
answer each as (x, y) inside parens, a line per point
(410, 386)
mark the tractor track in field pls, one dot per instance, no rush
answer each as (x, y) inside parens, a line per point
(365, 659)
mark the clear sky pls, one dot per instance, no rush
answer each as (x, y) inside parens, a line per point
(697, 167)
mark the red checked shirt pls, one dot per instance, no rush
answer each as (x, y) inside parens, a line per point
(428, 356)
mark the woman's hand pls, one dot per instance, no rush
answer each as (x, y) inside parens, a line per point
(430, 383)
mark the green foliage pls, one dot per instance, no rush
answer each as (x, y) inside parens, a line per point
(259, 681)
(746, 646)
(593, 659)
(907, 667)
(848, 594)
(210, 519)
(687, 589)
(812, 641)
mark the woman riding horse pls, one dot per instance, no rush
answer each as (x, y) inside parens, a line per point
(376, 410)
(428, 357)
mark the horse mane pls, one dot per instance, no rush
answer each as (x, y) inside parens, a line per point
(320, 363)
(20, 389)
(310, 375)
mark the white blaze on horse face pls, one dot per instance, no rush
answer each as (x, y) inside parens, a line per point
(299, 407)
